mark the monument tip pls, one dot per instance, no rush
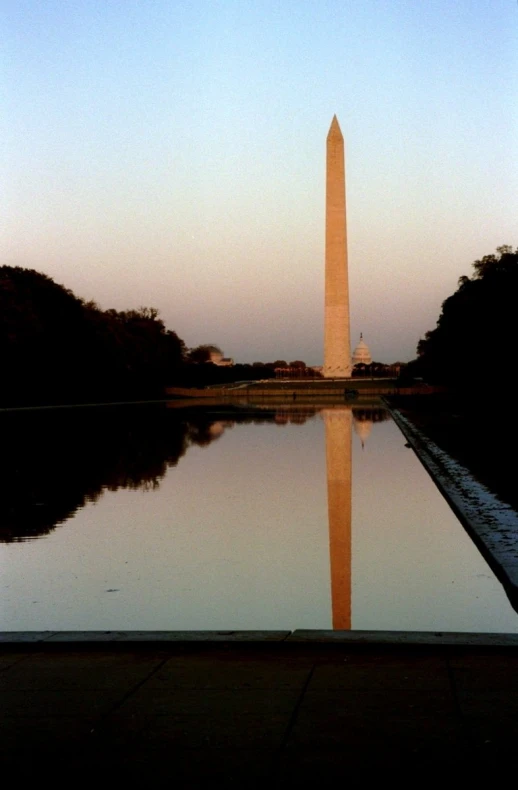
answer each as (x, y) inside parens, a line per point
(334, 129)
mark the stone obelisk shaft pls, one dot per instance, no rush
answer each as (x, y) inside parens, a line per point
(337, 348)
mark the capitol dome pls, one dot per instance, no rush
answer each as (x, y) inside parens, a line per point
(361, 354)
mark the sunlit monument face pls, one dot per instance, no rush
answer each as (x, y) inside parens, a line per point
(337, 349)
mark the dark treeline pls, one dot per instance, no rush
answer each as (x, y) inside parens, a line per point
(54, 462)
(477, 332)
(377, 370)
(58, 348)
(206, 374)
(471, 351)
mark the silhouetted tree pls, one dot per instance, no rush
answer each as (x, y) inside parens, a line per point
(477, 330)
(57, 348)
(203, 353)
(360, 369)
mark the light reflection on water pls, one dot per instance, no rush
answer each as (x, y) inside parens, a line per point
(293, 517)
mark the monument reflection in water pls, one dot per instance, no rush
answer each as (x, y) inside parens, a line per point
(338, 430)
(155, 518)
(338, 424)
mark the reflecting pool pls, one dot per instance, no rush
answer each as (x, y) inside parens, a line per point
(294, 516)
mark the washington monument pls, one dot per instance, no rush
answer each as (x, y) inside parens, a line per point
(337, 348)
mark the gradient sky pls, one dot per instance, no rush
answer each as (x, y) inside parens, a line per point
(171, 153)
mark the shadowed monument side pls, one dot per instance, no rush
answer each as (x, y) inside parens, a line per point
(337, 348)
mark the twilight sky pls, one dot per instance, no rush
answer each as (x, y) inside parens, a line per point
(171, 153)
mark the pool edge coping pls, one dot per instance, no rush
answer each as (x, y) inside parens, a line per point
(483, 528)
(41, 639)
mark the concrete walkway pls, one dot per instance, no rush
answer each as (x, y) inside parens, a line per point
(266, 713)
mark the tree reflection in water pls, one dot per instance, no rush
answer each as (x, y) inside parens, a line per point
(54, 462)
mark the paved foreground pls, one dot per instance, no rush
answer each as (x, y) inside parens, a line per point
(258, 713)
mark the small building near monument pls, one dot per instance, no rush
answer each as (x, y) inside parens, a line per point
(217, 358)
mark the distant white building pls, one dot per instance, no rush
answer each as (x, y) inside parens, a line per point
(361, 354)
(217, 358)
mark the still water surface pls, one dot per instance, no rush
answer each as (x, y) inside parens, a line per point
(292, 517)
